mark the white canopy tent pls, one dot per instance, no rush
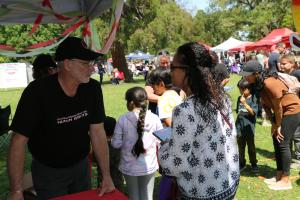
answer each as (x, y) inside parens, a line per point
(228, 44)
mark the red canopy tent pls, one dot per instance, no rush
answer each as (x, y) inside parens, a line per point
(240, 47)
(271, 39)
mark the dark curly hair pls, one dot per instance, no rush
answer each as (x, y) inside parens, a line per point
(199, 74)
(138, 96)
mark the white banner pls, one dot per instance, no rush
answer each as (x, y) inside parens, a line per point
(13, 75)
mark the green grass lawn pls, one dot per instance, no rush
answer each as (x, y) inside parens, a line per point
(251, 185)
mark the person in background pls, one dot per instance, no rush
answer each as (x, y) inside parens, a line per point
(245, 124)
(164, 63)
(43, 66)
(134, 136)
(117, 76)
(288, 65)
(260, 57)
(101, 71)
(58, 122)
(273, 62)
(221, 74)
(168, 97)
(167, 100)
(283, 109)
(202, 153)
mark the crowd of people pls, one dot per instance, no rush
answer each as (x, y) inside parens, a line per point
(205, 149)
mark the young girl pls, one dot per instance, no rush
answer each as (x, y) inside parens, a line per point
(133, 134)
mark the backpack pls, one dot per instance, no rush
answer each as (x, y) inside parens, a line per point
(290, 82)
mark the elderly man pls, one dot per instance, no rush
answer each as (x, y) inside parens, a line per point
(57, 117)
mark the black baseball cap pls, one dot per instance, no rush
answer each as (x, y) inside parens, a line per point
(74, 47)
(251, 67)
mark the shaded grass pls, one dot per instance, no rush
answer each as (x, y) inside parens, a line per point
(251, 185)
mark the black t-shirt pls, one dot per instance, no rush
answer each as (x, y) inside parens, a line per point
(273, 62)
(57, 125)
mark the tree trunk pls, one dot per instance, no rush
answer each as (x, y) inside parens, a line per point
(119, 61)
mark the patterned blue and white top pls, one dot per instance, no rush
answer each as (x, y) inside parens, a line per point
(202, 152)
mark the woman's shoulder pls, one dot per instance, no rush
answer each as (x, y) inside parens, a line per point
(272, 82)
(274, 85)
(186, 107)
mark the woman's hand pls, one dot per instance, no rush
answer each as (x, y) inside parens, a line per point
(276, 132)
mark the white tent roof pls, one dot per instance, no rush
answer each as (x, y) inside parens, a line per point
(228, 44)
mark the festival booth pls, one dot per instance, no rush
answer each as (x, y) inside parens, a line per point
(240, 47)
(271, 39)
(139, 55)
(228, 44)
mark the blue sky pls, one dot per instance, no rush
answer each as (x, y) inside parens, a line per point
(194, 5)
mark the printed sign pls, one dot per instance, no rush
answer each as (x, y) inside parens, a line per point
(13, 75)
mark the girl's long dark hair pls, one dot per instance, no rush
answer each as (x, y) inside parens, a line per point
(138, 96)
(199, 74)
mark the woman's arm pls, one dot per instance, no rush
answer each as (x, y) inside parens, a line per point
(278, 112)
(172, 157)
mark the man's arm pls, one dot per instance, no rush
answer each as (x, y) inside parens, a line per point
(150, 93)
(15, 165)
(100, 148)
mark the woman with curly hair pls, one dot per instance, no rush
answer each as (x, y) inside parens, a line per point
(202, 153)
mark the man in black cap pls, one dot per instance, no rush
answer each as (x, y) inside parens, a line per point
(57, 117)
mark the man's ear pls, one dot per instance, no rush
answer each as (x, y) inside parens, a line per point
(67, 64)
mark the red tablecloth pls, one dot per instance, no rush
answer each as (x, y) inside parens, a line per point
(93, 195)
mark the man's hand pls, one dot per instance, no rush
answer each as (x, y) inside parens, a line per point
(106, 186)
(17, 195)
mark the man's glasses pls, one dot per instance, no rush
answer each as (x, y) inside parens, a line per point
(88, 63)
(173, 67)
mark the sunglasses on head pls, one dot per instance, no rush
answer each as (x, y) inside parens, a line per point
(163, 53)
